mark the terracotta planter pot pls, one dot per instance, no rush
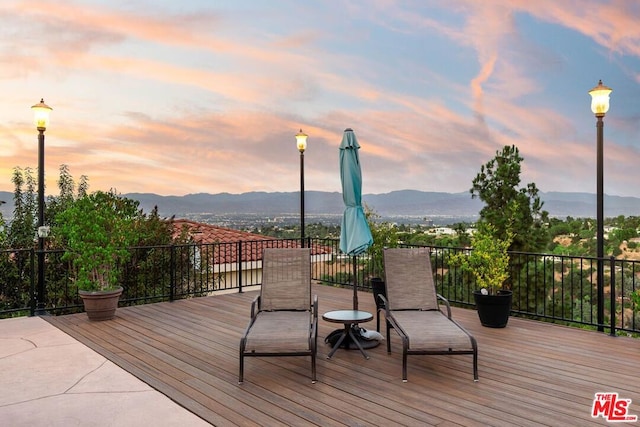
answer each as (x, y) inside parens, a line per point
(100, 305)
(493, 310)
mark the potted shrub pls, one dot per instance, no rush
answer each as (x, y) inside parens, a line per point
(97, 230)
(488, 263)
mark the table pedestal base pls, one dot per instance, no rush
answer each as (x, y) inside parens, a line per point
(350, 340)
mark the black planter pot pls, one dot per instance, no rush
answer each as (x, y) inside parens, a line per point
(493, 310)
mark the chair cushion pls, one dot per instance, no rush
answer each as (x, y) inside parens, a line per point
(431, 330)
(280, 331)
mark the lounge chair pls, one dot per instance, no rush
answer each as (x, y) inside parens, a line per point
(412, 309)
(284, 319)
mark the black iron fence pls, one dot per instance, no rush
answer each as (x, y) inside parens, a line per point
(561, 289)
(556, 288)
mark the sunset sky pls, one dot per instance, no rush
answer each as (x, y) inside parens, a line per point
(179, 97)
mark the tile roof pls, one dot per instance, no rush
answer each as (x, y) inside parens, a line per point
(251, 245)
(206, 233)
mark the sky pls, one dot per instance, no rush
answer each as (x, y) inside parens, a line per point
(200, 96)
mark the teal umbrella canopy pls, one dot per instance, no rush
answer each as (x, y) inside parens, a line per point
(355, 235)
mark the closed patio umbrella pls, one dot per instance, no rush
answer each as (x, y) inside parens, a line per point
(355, 235)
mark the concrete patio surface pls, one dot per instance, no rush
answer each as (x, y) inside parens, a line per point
(48, 378)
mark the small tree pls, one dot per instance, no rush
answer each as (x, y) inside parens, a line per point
(385, 235)
(97, 230)
(23, 225)
(497, 186)
(67, 194)
(3, 229)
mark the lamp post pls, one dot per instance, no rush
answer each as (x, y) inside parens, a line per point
(41, 113)
(301, 142)
(600, 106)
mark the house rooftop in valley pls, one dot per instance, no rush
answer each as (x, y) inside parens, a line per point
(251, 245)
(202, 233)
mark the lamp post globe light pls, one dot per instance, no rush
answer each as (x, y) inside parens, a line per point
(301, 143)
(600, 106)
(41, 112)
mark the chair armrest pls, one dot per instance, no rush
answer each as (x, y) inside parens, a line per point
(255, 306)
(313, 337)
(314, 307)
(446, 303)
(255, 309)
(385, 303)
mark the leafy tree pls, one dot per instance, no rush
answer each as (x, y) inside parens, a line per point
(385, 235)
(464, 239)
(531, 283)
(98, 229)
(621, 234)
(635, 298)
(576, 291)
(558, 228)
(16, 266)
(66, 197)
(22, 231)
(145, 272)
(497, 185)
(3, 229)
(420, 238)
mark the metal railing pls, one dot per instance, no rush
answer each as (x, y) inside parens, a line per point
(555, 288)
(561, 289)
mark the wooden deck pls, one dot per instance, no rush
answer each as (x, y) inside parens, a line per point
(531, 373)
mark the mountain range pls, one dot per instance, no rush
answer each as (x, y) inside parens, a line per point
(402, 203)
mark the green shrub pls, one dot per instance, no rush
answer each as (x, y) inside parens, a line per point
(96, 230)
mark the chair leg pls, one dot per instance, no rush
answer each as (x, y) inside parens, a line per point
(314, 347)
(388, 338)
(404, 366)
(474, 344)
(313, 368)
(405, 348)
(241, 369)
(475, 367)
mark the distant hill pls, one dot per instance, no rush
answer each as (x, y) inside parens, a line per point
(395, 203)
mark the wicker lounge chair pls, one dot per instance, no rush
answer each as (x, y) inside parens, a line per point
(284, 318)
(411, 308)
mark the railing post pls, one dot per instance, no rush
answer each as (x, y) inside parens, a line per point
(612, 287)
(32, 291)
(172, 273)
(239, 266)
(600, 293)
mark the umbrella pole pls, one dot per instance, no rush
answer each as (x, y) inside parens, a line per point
(355, 283)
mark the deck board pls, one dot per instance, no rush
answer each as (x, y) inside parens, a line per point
(531, 373)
